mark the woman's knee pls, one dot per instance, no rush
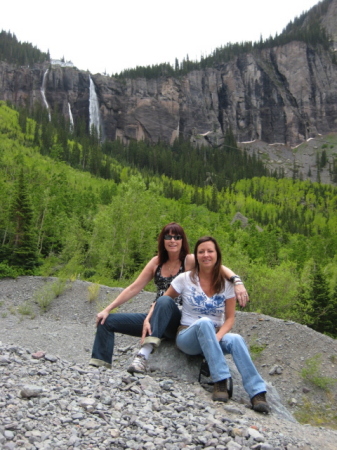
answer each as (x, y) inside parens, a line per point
(164, 302)
(235, 340)
(205, 323)
(109, 324)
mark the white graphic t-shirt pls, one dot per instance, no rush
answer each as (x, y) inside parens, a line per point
(196, 304)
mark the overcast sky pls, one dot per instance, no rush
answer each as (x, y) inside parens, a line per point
(112, 35)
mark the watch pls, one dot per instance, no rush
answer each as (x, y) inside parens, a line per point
(234, 277)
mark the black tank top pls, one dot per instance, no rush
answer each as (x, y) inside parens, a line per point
(163, 283)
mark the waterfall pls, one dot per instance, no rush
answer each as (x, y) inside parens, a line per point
(94, 115)
(71, 119)
(43, 90)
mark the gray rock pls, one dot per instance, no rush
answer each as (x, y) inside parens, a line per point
(31, 390)
(201, 103)
(168, 360)
(166, 408)
(4, 361)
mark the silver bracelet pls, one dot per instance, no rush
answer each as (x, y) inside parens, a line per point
(237, 282)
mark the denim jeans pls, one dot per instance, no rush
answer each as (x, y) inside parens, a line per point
(164, 323)
(200, 338)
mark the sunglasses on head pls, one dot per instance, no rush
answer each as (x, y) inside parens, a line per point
(168, 237)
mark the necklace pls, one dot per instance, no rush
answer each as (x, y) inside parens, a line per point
(172, 267)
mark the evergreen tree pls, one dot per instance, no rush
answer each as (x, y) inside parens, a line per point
(316, 307)
(331, 315)
(324, 159)
(24, 254)
(321, 303)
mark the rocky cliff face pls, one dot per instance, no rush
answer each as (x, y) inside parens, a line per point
(280, 95)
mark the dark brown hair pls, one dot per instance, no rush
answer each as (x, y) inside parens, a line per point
(176, 229)
(218, 279)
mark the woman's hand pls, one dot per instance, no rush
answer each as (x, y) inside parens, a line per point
(146, 330)
(241, 294)
(101, 317)
(219, 336)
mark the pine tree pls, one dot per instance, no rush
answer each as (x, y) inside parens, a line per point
(321, 308)
(24, 253)
(331, 315)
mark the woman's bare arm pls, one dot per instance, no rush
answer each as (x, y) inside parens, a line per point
(142, 280)
(229, 318)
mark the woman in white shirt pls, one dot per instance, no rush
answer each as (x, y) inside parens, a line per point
(208, 314)
(173, 258)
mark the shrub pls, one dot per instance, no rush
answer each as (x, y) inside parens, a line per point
(25, 309)
(45, 295)
(311, 373)
(256, 350)
(7, 271)
(93, 291)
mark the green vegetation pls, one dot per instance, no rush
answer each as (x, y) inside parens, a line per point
(47, 293)
(80, 213)
(256, 350)
(26, 309)
(312, 413)
(93, 292)
(59, 286)
(311, 373)
(200, 166)
(20, 53)
(7, 271)
(317, 415)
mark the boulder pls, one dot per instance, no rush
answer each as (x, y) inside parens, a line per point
(169, 361)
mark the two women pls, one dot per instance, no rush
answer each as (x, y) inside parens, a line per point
(173, 258)
(208, 314)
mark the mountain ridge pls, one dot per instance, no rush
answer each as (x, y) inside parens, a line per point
(282, 94)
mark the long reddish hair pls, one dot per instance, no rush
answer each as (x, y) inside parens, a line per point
(218, 279)
(176, 229)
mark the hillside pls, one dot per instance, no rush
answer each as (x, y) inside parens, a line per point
(278, 234)
(302, 161)
(69, 325)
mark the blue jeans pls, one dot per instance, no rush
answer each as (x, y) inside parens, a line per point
(164, 323)
(200, 338)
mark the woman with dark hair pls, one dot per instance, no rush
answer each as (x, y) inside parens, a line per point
(173, 258)
(208, 314)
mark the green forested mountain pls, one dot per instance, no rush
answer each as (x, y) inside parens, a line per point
(67, 222)
(21, 53)
(184, 161)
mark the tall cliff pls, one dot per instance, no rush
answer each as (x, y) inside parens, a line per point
(284, 95)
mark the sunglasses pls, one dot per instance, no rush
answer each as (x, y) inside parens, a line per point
(168, 237)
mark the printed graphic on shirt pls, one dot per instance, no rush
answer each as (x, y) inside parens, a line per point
(201, 304)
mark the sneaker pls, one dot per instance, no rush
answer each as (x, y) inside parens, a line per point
(259, 403)
(220, 393)
(138, 364)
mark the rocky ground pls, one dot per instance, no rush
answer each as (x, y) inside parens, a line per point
(302, 158)
(57, 401)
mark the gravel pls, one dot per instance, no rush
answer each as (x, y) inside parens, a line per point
(51, 399)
